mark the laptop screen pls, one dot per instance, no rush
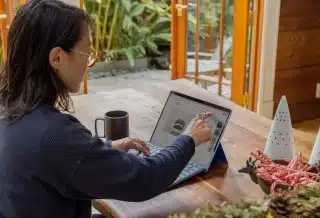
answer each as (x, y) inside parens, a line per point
(178, 111)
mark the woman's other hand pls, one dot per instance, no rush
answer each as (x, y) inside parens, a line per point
(130, 143)
(198, 129)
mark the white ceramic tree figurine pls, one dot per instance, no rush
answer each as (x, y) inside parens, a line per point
(315, 154)
(280, 142)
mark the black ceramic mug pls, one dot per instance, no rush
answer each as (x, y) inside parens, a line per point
(116, 125)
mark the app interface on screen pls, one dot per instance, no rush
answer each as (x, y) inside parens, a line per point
(177, 114)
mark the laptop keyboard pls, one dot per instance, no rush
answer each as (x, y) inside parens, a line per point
(154, 149)
(191, 168)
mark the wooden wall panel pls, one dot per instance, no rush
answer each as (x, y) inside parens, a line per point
(302, 111)
(297, 84)
(299, 23)
(293, 8)
(298, 48)
(298, 58)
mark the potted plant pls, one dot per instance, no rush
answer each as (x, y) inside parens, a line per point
(126, 31)
(209, 9)
(127, 34)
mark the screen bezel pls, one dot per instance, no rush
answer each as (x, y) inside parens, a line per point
(227, 110)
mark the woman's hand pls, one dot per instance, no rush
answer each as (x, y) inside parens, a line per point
(198, 130)
(130, 143)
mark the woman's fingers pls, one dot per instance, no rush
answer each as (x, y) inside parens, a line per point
(141, 146)
(199, 123)
(200, 119)
(204, 115)
(142, 149)
(143, 143)
(207, 115)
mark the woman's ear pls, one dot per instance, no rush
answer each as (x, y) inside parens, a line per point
(55, 58)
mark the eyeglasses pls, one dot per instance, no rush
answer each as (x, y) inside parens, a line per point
(92, 57)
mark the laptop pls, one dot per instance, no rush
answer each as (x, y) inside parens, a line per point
(178, 111)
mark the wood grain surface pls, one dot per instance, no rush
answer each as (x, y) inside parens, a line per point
(245, 132)
(298, 63)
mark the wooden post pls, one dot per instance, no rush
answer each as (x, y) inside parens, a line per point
(173, 44)
(6, 15)
(240, 48)
(9, 12)
(196, 72)
(221, 39)
(85, 79)
(256, 54)
(179, 38)
(4, 30)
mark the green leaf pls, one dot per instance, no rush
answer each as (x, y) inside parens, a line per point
(192, 19)
(152, 46)
(151, 6)
(135, 4)
(138, 10)
(164, 36)
(90, 6)
(130, 55)
(159, 9)
(162, 20)
(127, 23)
(145, 30)
(159, 22)
(142, 49)
(126, 4)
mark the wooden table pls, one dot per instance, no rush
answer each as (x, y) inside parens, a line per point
(245, 132)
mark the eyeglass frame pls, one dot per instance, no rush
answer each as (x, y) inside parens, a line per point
(95, 58)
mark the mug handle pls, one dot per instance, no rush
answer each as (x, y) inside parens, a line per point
(96, 126)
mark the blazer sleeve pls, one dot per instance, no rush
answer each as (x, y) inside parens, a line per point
(82, 166)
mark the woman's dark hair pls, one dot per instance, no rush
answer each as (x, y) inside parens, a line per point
(27, 78)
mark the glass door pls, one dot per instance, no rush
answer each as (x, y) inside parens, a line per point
(215, 44)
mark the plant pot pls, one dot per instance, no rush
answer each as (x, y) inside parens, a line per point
(138, 64)
(160, 63)
(107, 66)
(210, 41)
(101, 66)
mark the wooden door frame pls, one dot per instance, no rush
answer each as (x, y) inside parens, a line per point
(85, 79)
(173, 44)
(256, 54)
(178, 41)
(240, 48)
(269, 46)
(6, 16)
(4, 29)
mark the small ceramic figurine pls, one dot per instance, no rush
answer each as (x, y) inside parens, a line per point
(280, 143)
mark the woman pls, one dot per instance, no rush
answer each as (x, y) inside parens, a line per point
(50, 164)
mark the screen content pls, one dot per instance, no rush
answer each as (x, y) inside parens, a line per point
(177, 114)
